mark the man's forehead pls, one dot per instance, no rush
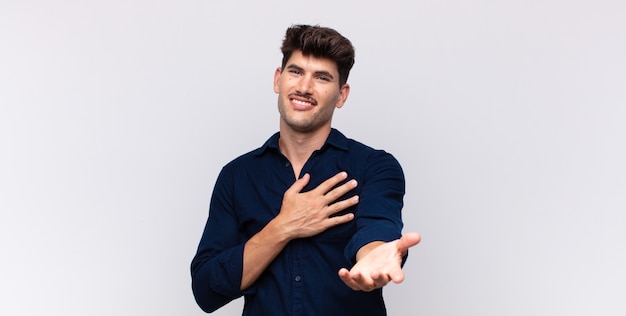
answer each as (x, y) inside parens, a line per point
(311, 61)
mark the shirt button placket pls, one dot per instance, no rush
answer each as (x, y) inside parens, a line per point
(297, 295)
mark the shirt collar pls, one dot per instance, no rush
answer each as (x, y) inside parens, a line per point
(335, 139)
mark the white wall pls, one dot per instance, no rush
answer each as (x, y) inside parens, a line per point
(508, 117)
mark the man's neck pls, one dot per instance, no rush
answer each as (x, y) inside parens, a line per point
(298, 147)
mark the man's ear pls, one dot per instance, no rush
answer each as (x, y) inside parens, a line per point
(343, 95)
(276, 79)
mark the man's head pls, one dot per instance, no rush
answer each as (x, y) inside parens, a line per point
(319, 42)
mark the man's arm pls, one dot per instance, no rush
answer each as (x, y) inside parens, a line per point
(301, 215)
(378, 248)
(378, 263)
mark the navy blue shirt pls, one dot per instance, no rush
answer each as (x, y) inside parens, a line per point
(303, 279)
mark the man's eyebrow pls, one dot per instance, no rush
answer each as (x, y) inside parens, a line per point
(294, 66)
(325, 74)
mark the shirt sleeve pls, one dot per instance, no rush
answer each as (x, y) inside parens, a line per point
(218, 264)
(378, 216)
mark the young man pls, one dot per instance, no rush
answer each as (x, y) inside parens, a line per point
(309, 223)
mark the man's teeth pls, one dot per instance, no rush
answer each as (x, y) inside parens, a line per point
(302, 102)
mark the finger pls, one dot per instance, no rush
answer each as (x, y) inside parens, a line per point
(380, 279)
(338, 220)
(363, 283)
(297, 186)
(325, 186)
(339, 191)
(344, 275)
(342, 205)
(407, 241)
(352, 279)
(397, 276)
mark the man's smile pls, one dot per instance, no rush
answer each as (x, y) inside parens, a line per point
(301, 102)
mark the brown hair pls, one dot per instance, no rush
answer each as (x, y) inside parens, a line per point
(321, 42)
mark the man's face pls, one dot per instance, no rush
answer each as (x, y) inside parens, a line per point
(308, 92)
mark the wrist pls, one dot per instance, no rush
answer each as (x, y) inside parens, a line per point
(277, 231)
(363, 251)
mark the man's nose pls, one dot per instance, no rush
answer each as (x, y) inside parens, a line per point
(305, 85)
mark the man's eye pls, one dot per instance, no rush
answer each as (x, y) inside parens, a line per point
(295, 72)
(323, 78)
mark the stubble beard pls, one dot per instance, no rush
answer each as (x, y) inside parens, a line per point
(310, 123)
(300, 125)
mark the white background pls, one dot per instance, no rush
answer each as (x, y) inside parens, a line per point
(507, 116)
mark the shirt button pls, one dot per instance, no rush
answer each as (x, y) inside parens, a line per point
(298, 278)
(287, 164)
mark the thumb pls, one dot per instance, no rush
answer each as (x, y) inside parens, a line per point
(408, 240)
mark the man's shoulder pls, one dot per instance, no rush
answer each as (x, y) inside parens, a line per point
(339, 140)
(243, 159)
(360, 148)
(364, 153)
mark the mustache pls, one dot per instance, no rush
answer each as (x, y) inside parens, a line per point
(306, 96)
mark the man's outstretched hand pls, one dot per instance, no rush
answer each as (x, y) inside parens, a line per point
(378, 263)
